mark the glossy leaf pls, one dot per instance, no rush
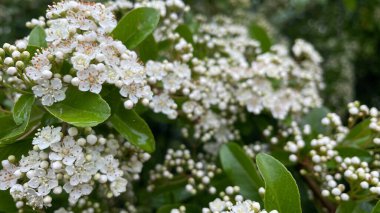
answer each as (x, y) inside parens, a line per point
(148, 49)
(11, 132)
(17, 149)
(7, 205)
(185, 32)
(314, 119)
(37, 39)
(133, 128)
(260, 34)
(169, 192)
(240, 170)
(359, 135)
(81, 109)
(354, 207)
(376, 209)
(281, 191)
(135, 26)
(22, 108)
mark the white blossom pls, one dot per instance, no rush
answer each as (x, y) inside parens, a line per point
(7, 177)
(50, 91)
(67, 151)
(47, 136)
(43, 181)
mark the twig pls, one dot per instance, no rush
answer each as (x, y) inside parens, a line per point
(313, 185)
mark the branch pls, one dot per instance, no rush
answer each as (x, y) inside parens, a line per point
(314, 186)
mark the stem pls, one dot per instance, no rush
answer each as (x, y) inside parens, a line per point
(313, 185)
(14, 89)
(316, 192)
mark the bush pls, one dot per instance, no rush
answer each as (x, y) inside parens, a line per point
(155, 107)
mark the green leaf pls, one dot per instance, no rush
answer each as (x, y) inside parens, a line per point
(354, 207)
(185, 32)
(283, 157)
(314, 119)
(168, 192)
(363, 154)
(260, 34)
(127, 122)
(148, 49)
(376, 209)
(135, 26)
(17, 149)
(281, 191)
(37, 39)
(7, 205)
(133, 128)
(11, 132)
(81, 109)
(350, 5)
(240, 170)
(359, 135)
(22, 108)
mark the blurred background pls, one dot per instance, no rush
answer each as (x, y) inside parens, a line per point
(345, 32)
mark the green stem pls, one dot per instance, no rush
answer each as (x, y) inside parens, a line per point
(14, 89)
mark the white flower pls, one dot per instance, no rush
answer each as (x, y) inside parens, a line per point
(162, 103)
(58, 29)
(40, 63)
(81, 171)
(67, 151)
(80, 21)
(118, 186)
(182, 70)
(134, 165)
(109, 167)
(80, 61)
(43, 181)
(76, 192)
(111, 50)
(7, 177)
(136, 91)
(91, 79)
(51, 91)
(217, 205)
(241, 208)
(303, 48)
(172, 82)
(34, 199)
(17, 191)
(30, 162)
(47, 136)
(87, 45)
(155, 70)
(132, 71)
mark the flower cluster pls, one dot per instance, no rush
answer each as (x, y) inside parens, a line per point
(78, 35)
(75, 163)
(219, 72)
(232, 202)
(13, 59)
(334, 157)
(199, 173)
(171, 15)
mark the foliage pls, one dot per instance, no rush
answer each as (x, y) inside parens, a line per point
(176, 107)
